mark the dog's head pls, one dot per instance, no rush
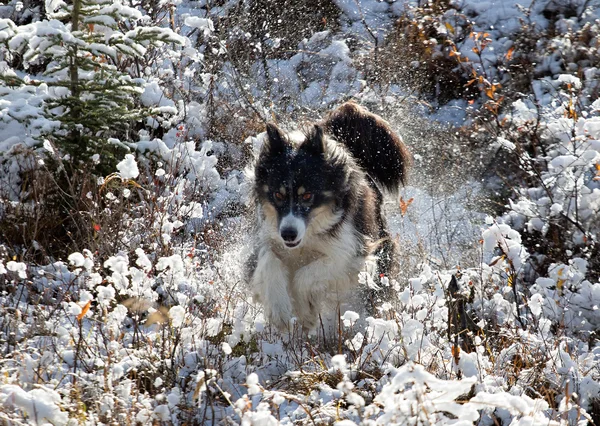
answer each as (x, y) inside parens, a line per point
(299, 185)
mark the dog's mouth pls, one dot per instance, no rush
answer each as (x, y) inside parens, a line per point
(292, 244)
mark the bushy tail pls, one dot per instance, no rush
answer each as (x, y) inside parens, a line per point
(377, 149)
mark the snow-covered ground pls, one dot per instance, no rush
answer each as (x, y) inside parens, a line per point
(495, 318)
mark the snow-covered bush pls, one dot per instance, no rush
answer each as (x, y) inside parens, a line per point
(74, 89)
(89, 86)
(137, 312)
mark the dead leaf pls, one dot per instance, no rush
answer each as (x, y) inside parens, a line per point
(404, 205)
(84, 310)
(456, 353)
(159, 316)
(509, 53)
(137, 305)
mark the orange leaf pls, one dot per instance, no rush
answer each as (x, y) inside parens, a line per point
(404, 205)
(510, 52)
(84, 310)
(456, 353)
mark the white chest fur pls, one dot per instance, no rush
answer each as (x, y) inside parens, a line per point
(305, 281)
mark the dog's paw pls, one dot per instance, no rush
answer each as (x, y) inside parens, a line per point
(310, 293)
(257, 297)
(280, 315)
(309, 319)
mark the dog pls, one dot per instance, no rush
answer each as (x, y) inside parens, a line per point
(318, 198)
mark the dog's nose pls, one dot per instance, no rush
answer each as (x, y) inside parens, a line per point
(289, 234)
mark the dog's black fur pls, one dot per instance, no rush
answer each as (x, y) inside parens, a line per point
(376, 148)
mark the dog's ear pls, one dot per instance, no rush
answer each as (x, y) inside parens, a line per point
(315, 141)
(276, 142)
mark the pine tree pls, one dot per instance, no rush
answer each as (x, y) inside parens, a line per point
(87, 48)
(73, 82)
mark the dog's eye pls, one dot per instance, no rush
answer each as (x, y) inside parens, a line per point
(307, 196)
(279, 196)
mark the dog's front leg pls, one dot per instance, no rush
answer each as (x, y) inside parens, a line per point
(310, 287)
(270, 285)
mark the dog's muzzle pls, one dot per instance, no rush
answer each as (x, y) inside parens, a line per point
(290, 237)
(291, 230)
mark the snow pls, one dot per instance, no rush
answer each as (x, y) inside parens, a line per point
(40, 405)
(128, 168)
(76, 259)
(172, 333)
(252, 382)
(19, 267)
(177, 315)
(349, 318)
(204, 24)
(105, 294)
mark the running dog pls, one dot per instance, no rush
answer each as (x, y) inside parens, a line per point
(318, 196)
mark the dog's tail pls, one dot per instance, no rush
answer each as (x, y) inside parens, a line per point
(371, 141)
